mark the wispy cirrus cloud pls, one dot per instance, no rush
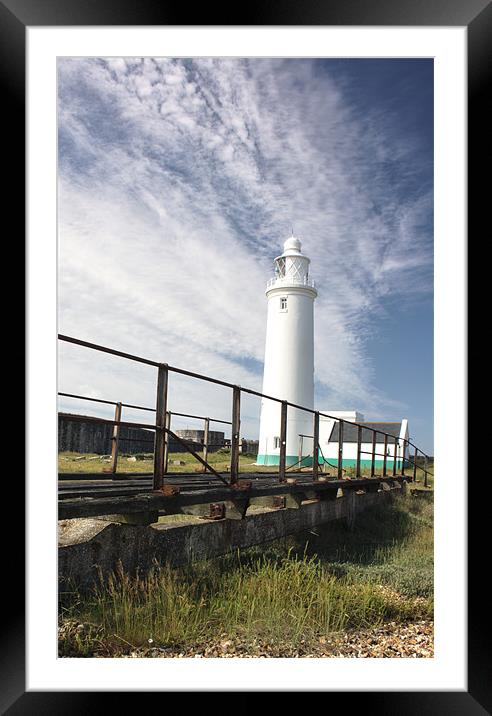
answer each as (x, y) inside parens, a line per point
(178, 182)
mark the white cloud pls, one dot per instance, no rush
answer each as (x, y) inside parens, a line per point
(179, 181)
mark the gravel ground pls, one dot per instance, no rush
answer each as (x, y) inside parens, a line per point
(391, 640)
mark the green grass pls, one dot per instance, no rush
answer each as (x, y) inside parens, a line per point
(220, 460)
(327, 580)
(392, 547)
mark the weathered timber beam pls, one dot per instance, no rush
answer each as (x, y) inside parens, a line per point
(145, 502)
(76, 476)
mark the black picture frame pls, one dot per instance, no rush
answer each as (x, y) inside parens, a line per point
(15, 17)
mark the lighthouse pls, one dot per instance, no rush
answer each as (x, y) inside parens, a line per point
(289, 358)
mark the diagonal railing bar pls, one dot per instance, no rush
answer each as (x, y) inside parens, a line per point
(196, 455)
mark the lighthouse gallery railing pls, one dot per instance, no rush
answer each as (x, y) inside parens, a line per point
(290, 281)
(162, 430)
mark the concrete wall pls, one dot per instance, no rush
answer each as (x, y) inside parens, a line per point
(85, 545)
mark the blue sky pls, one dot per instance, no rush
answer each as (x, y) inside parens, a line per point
(179, 181)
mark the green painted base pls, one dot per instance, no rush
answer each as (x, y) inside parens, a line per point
(332, 462)
(307, 461)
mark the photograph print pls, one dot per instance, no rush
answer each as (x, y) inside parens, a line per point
(245, 358)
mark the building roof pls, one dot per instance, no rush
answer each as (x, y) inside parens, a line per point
(350, 431)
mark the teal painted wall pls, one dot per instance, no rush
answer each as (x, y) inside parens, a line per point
(308, 461)
(364, 463)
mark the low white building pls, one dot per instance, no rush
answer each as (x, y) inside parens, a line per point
(329, 440)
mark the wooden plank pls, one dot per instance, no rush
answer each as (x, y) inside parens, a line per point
(359, 446)
(283, 441)
(340, 449)
(315, 445)
(373, 457)
(236, 425)
(206, 426)
(160, 420)
(114, 438)
(166, 441)
(69, 476)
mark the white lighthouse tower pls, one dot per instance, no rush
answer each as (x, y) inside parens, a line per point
(289, 357)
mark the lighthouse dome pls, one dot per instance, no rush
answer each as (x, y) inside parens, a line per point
(291, 268)
(292, 244)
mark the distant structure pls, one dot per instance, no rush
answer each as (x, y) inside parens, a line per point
(289, 356)
(87, 436)
(216, 439)
(246, 446)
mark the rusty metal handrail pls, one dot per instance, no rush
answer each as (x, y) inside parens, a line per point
(200, 376)
(200, 417)
(163, 415)
(141, 407)
(207, 378)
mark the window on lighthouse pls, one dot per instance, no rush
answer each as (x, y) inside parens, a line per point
(283, 303)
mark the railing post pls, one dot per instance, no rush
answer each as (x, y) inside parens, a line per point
(315, 445)
(114, 439)
(300, 452)
(206, 425)
(373, 457)
(394, 455)
(340, 449)
(166, 443)
(415, 465)
(236, 423)
(385, 452)
(403, 459)
(425, 473)
(359, 446)
(160, 421)
(283, 441)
